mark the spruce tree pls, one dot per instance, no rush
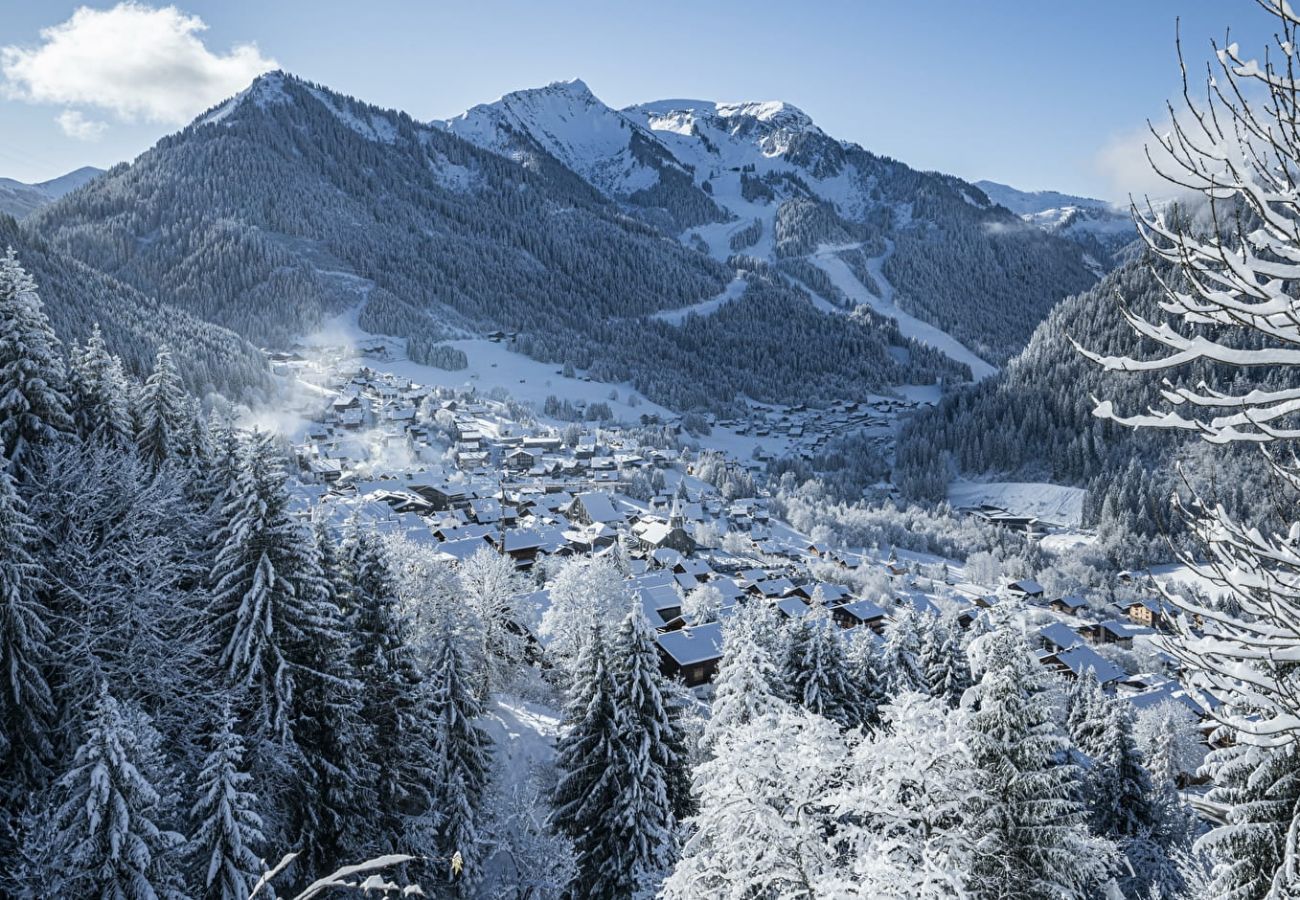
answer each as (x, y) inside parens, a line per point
(1029, 828)
(267, 591)
(1118, 787)
(866, 672)
(816, 672)
(100, 394)
(1085, 718)
(461, 751)
(642, 822)
(947, 670)
(33, 408)
(26, 701)
(104, 837)
(587, 758)
(395, 699)
(746, 684)
(228, 829)
(901, 658)
(163, 410)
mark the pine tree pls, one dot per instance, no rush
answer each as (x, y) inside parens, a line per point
(866, 672)
(946, 669)
(1260, 788)
(587, 759)
(103, 838)
(815, 669)
(395, 700)
(1085, 719)
(163, 410)
(26, 701)
(901, 659)
(33, 409)
(1029, 828)
(228, 828)
(100, 394)
(267, 590)
(1119, 787)
(746, 684)
(641, 824)
(462, 751)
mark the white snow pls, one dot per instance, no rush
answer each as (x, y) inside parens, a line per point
(1052, 503)
(733, 291)
(842, 277)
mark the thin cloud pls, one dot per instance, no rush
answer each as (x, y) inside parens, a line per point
(75, 125)
(136, 62)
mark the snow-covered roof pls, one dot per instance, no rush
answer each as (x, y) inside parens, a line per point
(693, 645)
(1058, 634)
(599, 507)
(1083, 658)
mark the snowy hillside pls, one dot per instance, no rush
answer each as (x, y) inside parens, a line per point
(18, 199)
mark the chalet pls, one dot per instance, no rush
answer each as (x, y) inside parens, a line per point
(1068, 606)
(772, 588)
(461, 549)
(442, 495)
(1080, 659)
(792, 607)
(1059, 636)
(691, 654)
(831, 593)
(859, 612)
(521, 460)
(1025, 589)
(1151, 613)
(594, 507)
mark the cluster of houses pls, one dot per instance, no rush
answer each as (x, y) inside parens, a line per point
(462, 475)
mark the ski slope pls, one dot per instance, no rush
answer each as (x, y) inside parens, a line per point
(828, 260)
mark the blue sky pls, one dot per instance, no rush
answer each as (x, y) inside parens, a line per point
(1035, 94)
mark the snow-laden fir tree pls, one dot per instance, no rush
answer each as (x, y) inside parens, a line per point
(103, 837)
(1086, 714)
(745, 687)
(462, 753)
(268, 595)
(334, 771)
(586, 759)
(100, 394)
(491, 586)
(26, 701)
(903, 803)
(396, 700)
(1030, 831)
(227, 828)
(901, 659)
(1118, 787)
(947, 671)
(867, 674)
(163, 413)
(33, 408)
(650, 768)
(1252, 851)
(816, 672)
(764, 813)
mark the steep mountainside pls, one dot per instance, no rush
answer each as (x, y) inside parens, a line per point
(18, 199)
(134, 324)
(289, 203)
(762, 179)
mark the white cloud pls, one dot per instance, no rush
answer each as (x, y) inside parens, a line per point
(134, 61)
(75, 125)
(1123, 162)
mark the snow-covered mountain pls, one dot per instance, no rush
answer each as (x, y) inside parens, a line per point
(608, 149)
(761, 179)
(1098, 226)
(18, 199)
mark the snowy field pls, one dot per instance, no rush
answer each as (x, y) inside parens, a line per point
(1052, 503)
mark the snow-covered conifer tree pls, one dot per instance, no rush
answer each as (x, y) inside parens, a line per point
(33, 408)
(163, 411)
(1086, 713)
(901, 658)
(1028, 826)
(461, 753)
(947, 670)
(100, 394)
(227, 829)
(103, 837)
(866, 672)
(816, 672)
(745, 687)
(26, 701)
(586, 590)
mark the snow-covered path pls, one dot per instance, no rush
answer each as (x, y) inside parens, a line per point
(732, 291)
(827, 259)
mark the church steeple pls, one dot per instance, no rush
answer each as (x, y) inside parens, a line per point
(675, 518)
